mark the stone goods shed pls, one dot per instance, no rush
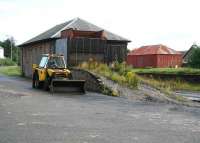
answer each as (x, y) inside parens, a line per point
(157, 56)
(78, 40)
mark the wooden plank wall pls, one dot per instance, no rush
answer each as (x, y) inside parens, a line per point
(81, 49)
(115, 52)
(31, 54)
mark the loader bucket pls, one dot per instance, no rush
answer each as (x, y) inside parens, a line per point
(60, 85)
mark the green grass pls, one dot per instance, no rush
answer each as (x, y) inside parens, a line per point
(10, 70)
(178, 71)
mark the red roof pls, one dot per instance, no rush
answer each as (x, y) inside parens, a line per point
(153, 49)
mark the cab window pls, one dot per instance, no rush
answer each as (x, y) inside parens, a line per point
(43, 62)
(56, 62)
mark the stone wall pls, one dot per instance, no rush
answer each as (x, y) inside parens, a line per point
(93, 82)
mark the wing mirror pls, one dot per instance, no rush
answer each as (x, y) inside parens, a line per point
(34, 66)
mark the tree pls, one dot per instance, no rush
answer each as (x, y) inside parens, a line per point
(194, 59)
(7, 44)
(7, 48)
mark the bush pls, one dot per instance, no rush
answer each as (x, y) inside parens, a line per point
(7, 62)
(132, 79)
(108, 91)
(194, 60)
(121, 68)
(118, 78)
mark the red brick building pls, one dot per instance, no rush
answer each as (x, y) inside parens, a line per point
(154, 56)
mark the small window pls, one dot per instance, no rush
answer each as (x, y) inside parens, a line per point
(43, 62)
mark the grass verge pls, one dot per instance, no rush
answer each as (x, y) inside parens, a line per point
(10, 70)
(177, 71)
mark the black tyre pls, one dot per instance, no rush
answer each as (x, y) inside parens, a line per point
(36, 83)
(51, 88)
(46, 84)
(70, 76)
(33, 81)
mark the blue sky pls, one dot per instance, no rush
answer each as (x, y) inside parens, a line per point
(174, 23)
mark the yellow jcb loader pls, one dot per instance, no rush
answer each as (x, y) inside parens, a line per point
(52, 74)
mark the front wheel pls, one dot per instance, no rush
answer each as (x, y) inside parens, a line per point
(46, 84)
(35, 82)
(70, 76)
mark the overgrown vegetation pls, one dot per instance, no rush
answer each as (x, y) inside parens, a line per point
(10, 71)
(126, 75)
(108, 91)
(171, 85)
(120, 73)
(177, 71)
(7, 62)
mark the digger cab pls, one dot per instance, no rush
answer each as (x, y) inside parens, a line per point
(52, 61)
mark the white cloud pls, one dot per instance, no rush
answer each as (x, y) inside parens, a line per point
(173, 22)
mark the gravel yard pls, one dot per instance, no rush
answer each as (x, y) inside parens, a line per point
(29, 116)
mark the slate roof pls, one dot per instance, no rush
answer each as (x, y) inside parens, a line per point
(153, 49)
(75, 24)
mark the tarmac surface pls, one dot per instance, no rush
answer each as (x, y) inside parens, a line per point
(34, 116)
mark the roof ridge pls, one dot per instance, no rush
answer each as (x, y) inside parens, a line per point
(81, 24)
(57, 33)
